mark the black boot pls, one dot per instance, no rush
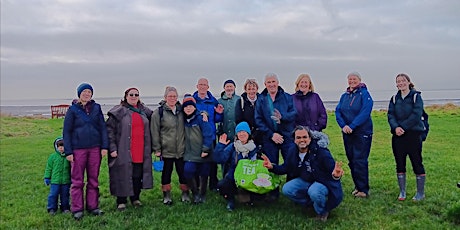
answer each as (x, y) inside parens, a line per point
(203, 187)
(191, 183)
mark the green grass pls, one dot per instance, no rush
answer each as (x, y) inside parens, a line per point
(25, 144)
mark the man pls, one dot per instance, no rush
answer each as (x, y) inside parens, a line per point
(206, 102)
(316, 176)
(228, 100)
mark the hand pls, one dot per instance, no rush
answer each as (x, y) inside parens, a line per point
(203, 155)
(277, 138)
(205, 116)
(223, 139)
(399, 131)
(104, 152)
(69, 158)
(114, 154)
(47, 181)
(277, 114)
(157, 154)
(219, 108)
(267, 164)
(338, 171)
(347, 130)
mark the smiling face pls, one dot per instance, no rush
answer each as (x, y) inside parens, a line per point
(132, 97)
(402, 83)
(302, 139)
(304, 85)
(189, 109)
(271, 83)
(243, 136)
(202, 86)
(251, 90)
(86, 95)
(229, 89)
(353, 81)
(171, 98)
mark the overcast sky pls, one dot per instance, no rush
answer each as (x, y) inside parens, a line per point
(49, 47)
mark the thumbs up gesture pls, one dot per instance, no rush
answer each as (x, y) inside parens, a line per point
(267, 164)
(338, 171)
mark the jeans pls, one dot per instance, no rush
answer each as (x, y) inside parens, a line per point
(304, 193)
(88, 160)
(57, 191)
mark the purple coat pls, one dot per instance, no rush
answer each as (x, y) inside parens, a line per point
(310, 110)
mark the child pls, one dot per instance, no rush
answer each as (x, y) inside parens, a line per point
(57, 174)
(242, 148)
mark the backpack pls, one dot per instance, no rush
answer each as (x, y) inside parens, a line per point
(424, 118)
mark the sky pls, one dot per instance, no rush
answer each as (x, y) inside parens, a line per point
(49, 47)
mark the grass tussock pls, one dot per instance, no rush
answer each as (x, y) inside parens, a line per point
(25, 144)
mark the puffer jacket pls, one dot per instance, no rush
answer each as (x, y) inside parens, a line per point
(168, 134)
(198, 139)
(406, 112)
(58, 167)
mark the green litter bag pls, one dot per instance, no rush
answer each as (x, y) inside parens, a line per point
(254, 177)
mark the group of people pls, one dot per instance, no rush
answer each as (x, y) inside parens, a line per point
(251, 126)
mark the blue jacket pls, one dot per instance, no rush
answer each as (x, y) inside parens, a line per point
(354, 109)
(310, 110)
(406, 113)
(227, 153)
(208, 105)
(322, 165)
(264, 110)
(84, 130)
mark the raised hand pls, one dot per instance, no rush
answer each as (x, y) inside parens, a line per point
(267, 163)
(338, 171)
(219, 108)
(223, 139)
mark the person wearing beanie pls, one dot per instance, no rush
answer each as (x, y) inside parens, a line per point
(57, 176)
(198, 149)
(85, 141)
(244, 148)
(130, 158)
(228, 100)
(353, 115)
(168, 142)
(207, 103)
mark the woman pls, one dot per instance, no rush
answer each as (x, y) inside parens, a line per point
(198, 148)
(309, 106)
(404, 116)
(85, 143)
(168, 142)
(353, 114)
(245, 108)
(130, 160)
(243, 148)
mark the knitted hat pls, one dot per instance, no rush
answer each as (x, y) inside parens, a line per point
(82, 87)
(188, 100)
(243, 126)
(229, 81)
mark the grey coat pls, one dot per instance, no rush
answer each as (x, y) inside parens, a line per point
(120, 167)
(168, 132)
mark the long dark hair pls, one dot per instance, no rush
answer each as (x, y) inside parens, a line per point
(411, 85)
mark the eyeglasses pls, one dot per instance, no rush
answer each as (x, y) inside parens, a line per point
(134, 94)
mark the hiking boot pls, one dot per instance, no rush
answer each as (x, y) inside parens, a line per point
(78, 215)
(361, 195)
(137, 203)
(96, 212)
(121, 207)
(322, 217)
(354, 192)
(52, 212)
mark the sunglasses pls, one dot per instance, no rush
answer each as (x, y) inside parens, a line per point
(134, 94)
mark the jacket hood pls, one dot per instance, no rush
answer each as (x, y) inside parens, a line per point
(56, 147)
(321, 138)
(360, 86)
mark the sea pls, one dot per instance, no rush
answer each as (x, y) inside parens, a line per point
(42, 107)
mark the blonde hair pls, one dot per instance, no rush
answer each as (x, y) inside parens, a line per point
(302, 76)
(250, 82)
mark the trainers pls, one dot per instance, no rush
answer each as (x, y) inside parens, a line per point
(66, 211)
(137, 203)
(97, 212)
(322, 217)
(361, 195)
(78, 215)
(354, 192)
(121, 207)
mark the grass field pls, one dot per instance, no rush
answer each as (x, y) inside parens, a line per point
(25, 144)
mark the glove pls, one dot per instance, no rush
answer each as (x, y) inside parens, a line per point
(47, 181)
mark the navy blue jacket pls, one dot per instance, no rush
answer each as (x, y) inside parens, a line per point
(84, 130)
(284, 104)
(322, 165)
(406, 113)
(354, 109)
(227, 153)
